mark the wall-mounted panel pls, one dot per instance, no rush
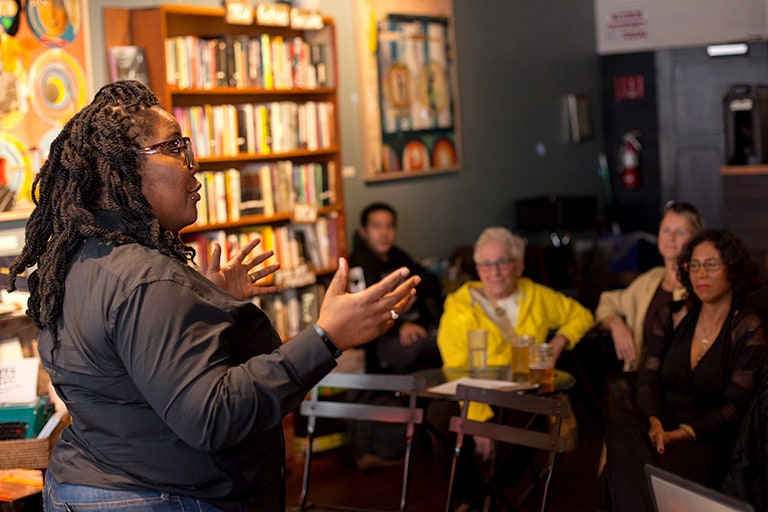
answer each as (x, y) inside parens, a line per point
(643, 25)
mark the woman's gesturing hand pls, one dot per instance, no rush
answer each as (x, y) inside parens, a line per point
(351, 319)
(238, 276)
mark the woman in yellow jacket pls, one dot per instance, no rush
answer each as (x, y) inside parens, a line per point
(506, 304)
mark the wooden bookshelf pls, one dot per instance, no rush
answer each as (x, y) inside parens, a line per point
(292, 128)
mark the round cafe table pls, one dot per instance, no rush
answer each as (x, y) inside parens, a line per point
(436, 376)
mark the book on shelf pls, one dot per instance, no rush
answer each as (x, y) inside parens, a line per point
(266, 61)
(281, 173)
(307, 236)
(333, 238)
(311, 298)
(239, 61)
(311, 124)
(220, 196)
(293, 312)
(202, 204)
(258, 128)
(246, 128)
(263, 189)
(207, 180)
(239, 78)
(254, 70)
(294, 309)
(323, 241)
(234, 196)
(319, 59)
(256, 191)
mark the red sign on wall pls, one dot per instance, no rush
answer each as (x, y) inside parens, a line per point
(628, 87)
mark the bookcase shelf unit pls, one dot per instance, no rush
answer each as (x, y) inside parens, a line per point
(289, 101)
(153, 27)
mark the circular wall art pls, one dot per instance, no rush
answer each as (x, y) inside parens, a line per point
(415, 156)
(443, 154)
(54, 22)
(17, 173)
(43, 149)
(58, 86)
(389, 159)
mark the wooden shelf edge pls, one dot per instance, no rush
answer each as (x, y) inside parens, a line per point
(234, 91)
(260, 220)
(20, 214)
(260, 157)
(399, 175)
(743, 170)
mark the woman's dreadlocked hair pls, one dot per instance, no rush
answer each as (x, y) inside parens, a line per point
(92, 162)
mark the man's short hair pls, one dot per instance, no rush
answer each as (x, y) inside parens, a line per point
(377, 207)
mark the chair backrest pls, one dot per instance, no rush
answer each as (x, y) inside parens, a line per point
(315, 408)
(550, 441)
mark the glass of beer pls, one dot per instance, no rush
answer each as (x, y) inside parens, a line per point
(541, 363)
(477, 343)
(519, 362)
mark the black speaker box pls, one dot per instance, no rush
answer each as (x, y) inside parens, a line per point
(746, 124)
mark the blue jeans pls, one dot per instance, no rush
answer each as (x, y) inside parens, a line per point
(74, 498)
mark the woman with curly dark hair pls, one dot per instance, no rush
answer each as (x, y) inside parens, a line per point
(696, 378)
(175, 381)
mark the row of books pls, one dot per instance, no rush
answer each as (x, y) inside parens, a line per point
(258, 128)
(314, 246)
(292, 309)
(240, 61)
(264, 189)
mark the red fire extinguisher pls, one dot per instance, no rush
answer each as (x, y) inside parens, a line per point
(629, 160)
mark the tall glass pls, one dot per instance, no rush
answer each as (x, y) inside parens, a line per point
(519, 361)
(541, 363)
(477, 343)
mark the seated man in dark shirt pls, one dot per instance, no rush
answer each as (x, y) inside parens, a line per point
(409, 345)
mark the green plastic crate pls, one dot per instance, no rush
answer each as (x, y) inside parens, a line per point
(33, 414)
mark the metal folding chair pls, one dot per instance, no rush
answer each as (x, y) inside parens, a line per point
(549, 440)
(315, 408)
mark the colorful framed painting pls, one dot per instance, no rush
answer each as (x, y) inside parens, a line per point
(411, 99)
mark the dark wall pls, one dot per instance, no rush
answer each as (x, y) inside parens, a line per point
(638, 208)
(517, 60)
(691, 88)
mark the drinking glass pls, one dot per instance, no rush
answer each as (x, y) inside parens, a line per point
(541, 363)
(519, 361)
(477, 343)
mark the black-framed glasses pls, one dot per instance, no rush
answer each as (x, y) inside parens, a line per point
(710, 265)
(502, 264)
(182, 146)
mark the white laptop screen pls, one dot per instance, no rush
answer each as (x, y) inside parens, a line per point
(672, 493)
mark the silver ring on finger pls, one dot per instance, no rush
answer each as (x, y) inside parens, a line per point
(252, 277)
(393, 314)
